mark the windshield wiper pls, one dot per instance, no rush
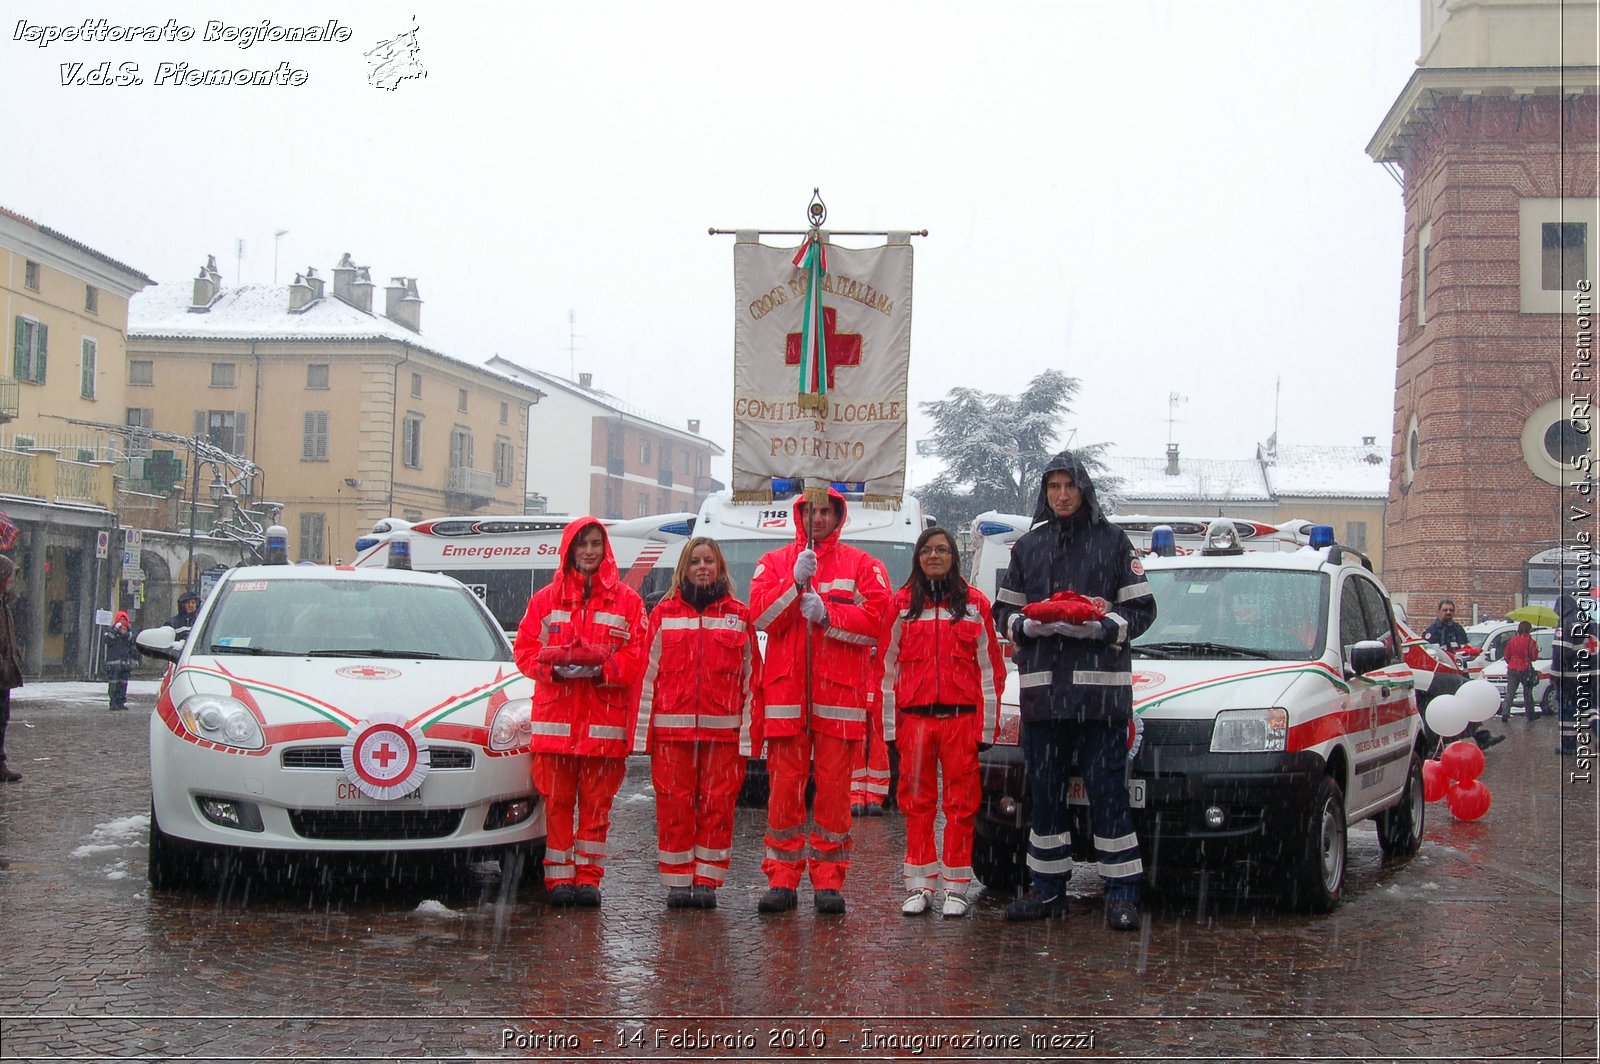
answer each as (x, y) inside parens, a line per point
(227, 648)
(1178, 648)
(372, 652)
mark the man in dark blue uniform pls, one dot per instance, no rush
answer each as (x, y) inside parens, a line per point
(1076, 683)
(1446, 631)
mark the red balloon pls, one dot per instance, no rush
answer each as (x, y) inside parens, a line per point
(1462, 761)
(1434, 781)
(1468, 801)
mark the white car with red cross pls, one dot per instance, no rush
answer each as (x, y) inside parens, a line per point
(1274, 706)
(325, 709)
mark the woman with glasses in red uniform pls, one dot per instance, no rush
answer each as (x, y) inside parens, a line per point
(942, 676)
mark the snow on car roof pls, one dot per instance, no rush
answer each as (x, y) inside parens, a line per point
(375, 574)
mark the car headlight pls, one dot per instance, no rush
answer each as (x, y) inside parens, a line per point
(512, 726)
(1250, 731)
(222, 720)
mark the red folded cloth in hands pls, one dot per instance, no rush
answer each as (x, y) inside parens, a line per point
(574, 654)
(1068, 606)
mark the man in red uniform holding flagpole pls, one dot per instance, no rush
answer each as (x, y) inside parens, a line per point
(821, 606)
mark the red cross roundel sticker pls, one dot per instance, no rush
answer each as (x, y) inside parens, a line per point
(384, 757)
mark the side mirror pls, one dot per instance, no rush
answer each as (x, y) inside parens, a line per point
(162, 642)
(1369, 655)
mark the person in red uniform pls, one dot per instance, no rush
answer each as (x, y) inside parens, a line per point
(699, 720)
(942, 676)
(821, 606)
(583, 642)
(1521, 652)
(869, 769)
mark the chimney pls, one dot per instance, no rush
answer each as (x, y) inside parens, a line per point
(315, 282)
(299, 294)
(586, 381)
(402, 305)
(352, 284)
(694, 425)
(1369, 441)
(207, 286)
(1172, 459)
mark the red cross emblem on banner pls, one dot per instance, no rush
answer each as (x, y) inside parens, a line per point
(844, 349)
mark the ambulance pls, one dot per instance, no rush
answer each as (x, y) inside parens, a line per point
(1274, 708)
(504, 560)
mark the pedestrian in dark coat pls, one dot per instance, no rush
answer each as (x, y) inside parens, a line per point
(188, 606)
(10, 662)
(121, 656)
(1076, 683)
(1572, 671)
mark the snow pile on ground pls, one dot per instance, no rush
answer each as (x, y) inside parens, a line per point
(430, 907)
(114, 835)
(46, 695)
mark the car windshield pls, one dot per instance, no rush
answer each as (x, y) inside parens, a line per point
(743, 554)
(1544, 641)
(1269, 613)
(354, 618)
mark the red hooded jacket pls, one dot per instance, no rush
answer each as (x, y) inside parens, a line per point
(703, 677)
(584, 716)
(856, 589)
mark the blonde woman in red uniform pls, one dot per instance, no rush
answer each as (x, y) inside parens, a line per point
(942, 676)
(699, 719)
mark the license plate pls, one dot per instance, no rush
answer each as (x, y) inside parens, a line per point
(347, 793)
(1077, 795)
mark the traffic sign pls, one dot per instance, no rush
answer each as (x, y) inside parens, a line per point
(102, 544)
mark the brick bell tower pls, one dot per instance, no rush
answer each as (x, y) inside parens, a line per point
(1494, 142)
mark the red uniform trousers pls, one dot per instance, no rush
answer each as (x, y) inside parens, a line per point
(789, 764)
(928, 746)
(585, 785)
(697, 787)
(869, 764)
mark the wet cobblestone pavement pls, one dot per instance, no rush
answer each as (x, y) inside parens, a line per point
(1482, 947)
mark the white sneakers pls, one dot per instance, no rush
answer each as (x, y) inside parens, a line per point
(920, 900)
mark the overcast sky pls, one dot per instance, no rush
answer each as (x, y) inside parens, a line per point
(1156, 196)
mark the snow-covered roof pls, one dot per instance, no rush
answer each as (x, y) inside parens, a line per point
(1360, 472)
(1220, 479)
(605, 400)
(261, 312)
(134, 278)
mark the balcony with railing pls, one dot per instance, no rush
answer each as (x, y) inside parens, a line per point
(41, 473)
(470, 488)
(10, 400)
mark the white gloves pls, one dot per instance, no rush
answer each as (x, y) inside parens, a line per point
(812, 607)
(805, 566)
(577, 672)
(1039, 629)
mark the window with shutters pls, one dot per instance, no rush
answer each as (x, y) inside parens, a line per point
(91, 299)
(314, 436)
(222, 375)
(223, 428)
(317, 375)
(411, 441)
(460, 448)
(87, 367)
(505, 413)
(505, 457)
(141, 371)
(32, 339)
(416, 386)
(461, 400)
(141, 419)
(313, 537)
(30, 275)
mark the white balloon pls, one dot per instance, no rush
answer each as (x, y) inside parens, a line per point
(1447, 715)
(1482, 699)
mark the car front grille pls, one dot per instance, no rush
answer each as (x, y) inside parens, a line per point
(1159, 732)
(375, 824)
(328, 757)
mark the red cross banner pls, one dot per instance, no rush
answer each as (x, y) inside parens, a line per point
(385, 757)
(819, 384)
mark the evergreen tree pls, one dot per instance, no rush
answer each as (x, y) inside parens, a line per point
(995, 447)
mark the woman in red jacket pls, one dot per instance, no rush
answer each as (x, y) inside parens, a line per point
(942, 676)
(699, 720)
(1521, 652)
(583, 642)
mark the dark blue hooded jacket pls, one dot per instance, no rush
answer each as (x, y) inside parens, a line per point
(1068, 678)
